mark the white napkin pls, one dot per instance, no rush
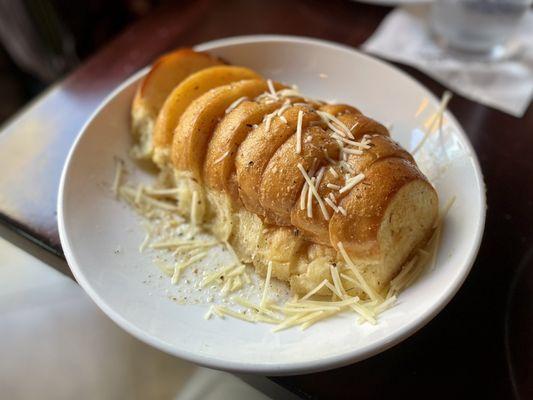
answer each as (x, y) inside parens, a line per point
(506, 85)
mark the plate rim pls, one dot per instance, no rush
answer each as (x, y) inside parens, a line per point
(298, 367)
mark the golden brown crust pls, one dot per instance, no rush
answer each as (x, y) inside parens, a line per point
(380, 147)
(187, 91)
(219, 166)
(256, 151)
(282, 181)
(167, 72)
(199, 120)
(361, 125)
(339, 109)
(317, 229)
(366, 204)
(177, 65)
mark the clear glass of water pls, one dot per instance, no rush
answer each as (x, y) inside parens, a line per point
(481, 28)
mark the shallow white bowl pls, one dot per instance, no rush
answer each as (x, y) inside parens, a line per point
(94, 227)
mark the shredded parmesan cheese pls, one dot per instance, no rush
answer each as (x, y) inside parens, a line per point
(400, 281)
(237, 271)
(257, 308)
(346, 277)
(352, 151)
(288, 93)
(160, 192)
(335, 124)
(330, 203)
(319, 176)
(315, 290)
(283, 108)
(139, 194)
(337, 281)
(360, 280)
(268, 122)
(423, 104)
(350, 183)
(299, 132)
(317, 318)
(222, 157)
(228, 311)
(178, 267)
(216, 275)
(145, 242)
(209, 313)
(237, 284)
(385, 305)
(235, 104)
(446, 97)
(175, 275)
(310, 200)
(271, 88)
(267, 283)
(194, 208)
(119, 171)
(346, 166)
(312, 188)
(130, 193)
(171, 243)
(361, 145)
(217, 312)
(303, 196)
(164, 267)
(287, 323)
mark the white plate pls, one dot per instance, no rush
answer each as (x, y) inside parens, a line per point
(92, 224)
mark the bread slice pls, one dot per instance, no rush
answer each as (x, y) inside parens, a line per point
(219, 167)
(194, 130)
(165, 74)
(260, 145)
(183, 95)
(282, 180)
(316, 228)
(388, 215)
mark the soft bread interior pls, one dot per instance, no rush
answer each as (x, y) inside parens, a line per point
(405, 226)
(142, 128)
(408, 219)
(406, 223)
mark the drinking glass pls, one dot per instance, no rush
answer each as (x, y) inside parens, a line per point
(477, 27)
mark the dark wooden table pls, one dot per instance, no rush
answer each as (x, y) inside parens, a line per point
(480, 346)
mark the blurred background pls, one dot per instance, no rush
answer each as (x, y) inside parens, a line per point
(42, 40)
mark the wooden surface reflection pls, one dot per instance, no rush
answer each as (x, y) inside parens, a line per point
(461, 352)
